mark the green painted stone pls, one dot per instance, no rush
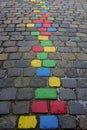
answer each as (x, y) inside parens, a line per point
(39, 0)
(50, 18)
(49, 63)
(42, 55)
(35, 33)
(47, 8)
(38, 15)
(39, 4)
(46, 43)
(45, 93)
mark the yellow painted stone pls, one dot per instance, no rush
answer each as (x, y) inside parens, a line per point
(42, 2)
(36, 63)
(49, 49)
(36, 11)
(54, 82)
(30, 25)
(43, 38)
(26, 122)
(43, 6)
(33, 0)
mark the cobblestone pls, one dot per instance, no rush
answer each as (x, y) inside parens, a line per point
(21, 107)
(8, 122)
(8, 94)
(4, 107)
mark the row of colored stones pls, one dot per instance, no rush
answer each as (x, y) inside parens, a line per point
(44, 30)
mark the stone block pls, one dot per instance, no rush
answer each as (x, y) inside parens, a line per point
(50, 49)
(45, 93)
(30, 25)
(37, 49)
(49, 122)
(49, 63)
(43, 38)
(51, 29)
(43, 72)
(46, 43)
(58, 107)
(39, 107)
(36, 63)
(26, 122)
(54, 82)
(42, 55)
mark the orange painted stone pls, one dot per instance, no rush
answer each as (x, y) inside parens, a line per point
(41, 29)
(58, 107)
(46, 25)
(46, 33)
(37, 49)
(39, 107)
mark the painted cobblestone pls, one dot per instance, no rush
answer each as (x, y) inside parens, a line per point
(23, 25)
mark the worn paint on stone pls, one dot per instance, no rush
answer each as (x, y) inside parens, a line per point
(45, 93)
(54, 82)
(26, 122)
(42, 37)
(49, 63)
(36, 63)
(50, 49)
(58, 107)
(30, 25)
(39, 107)
(48, 122)
(43, 72)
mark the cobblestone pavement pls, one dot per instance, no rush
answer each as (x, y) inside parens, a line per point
(43, 64)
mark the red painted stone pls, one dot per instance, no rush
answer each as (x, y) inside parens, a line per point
(58, 107)
(46, 33)
(43, 18)
(49, 21)
(41, 29)
(46, 25)
(39, 107)
(37, 49)
(37, 21)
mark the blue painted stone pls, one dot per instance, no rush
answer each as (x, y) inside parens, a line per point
(45, 11)
(45, 4)
(49, 122)
(43, 72)
(38, 25)
(51, 29)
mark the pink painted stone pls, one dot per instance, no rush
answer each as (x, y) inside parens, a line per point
(37, 21)
(58, 107)
(46, 25)
(39, 107)
(49, 21)
(46, 33)
(37, 49)
(41, 29)
(43, 18)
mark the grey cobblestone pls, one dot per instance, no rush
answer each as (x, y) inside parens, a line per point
(67, 94)
(6, 82)
(69, 83)
(8, 94)
(22, 63)
(83, 123)
(8, 122)
(67, 122)
(4, 107)
(22, 82)
(76, 108)
(25, 93)
(2, 73)
(81, 93)
(21, 107)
